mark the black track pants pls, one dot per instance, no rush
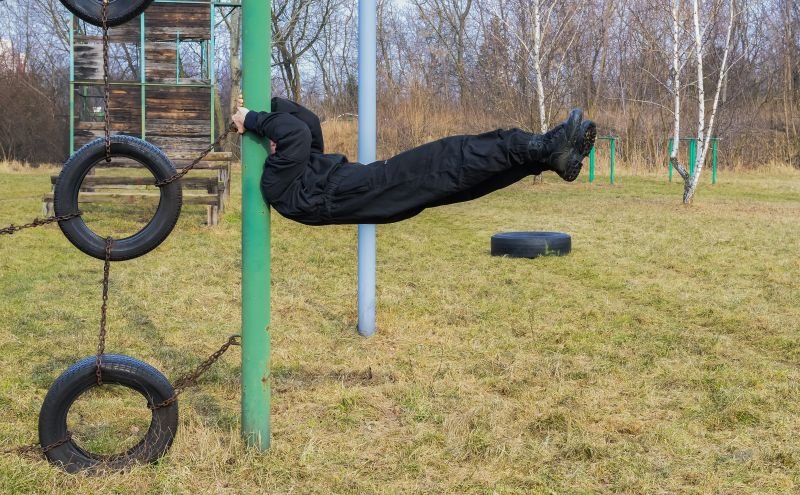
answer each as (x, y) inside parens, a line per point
(451, 170)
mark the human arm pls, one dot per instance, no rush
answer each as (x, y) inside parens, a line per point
(307, 116)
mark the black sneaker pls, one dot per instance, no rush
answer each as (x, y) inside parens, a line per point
(563, 148)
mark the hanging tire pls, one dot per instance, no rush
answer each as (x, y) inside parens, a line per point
(531, 244)
(119, 11)
(67, 190)
(79, 378)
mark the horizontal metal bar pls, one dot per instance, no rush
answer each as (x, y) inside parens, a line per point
(202, 2)
(137, 84)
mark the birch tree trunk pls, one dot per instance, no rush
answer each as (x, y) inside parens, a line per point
(676, 90)
(537, 63)
(704, 132)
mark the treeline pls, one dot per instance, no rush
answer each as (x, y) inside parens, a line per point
(450, 66)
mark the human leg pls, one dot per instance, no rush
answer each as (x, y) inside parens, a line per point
(403, 186)
(455, 169)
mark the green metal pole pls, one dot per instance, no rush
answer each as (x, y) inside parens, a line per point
(256, 50)
(212, 70)
(714, 161)
(613, 153)
(692, 155)
(178, 57)
(143, 78)
(669, 158)
(591, 165)
(72, 85)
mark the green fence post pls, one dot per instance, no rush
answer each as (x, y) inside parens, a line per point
(256, 49)
(692, 155)
(72, 85)
(591, 165)
(714, 161)
(613, 153)
(669, 158)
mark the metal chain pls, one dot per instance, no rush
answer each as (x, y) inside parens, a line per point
(190, 379)
(101, 344)
(106, 83)
(205, 153)
(37, 222)
(35, 448)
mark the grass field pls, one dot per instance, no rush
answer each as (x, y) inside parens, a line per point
(660, 357)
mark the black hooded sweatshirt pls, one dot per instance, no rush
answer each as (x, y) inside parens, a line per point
(296, 175)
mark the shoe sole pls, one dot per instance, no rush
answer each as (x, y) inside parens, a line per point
(589, 137)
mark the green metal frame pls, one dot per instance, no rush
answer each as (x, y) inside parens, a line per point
(142, 83)
(693, 156)
(613, 150)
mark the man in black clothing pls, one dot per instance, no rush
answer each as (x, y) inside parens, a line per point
(311, 187)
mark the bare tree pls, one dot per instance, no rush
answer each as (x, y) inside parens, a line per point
(704, 130)
(296, 26)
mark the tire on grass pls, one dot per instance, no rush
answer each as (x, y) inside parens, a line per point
(531, 244)
(67, 190)
(78, 379)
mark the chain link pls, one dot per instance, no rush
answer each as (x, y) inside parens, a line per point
(101, 338)
(35, 448)
(106, 83)
(37, 222)
(205, 153)
(190, 379)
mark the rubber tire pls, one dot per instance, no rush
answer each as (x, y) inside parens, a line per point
(79, 378)
(531, 244)
(119, 11)
(67, 189)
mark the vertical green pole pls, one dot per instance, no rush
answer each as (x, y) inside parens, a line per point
(256, 50)
(714, 161)
(613, 156)
(178, 58)
(692, 155)
(143, 78)
(212, 70)
(591, 165)
(669, 158)
(72, 85)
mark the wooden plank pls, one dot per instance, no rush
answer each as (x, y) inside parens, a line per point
(179, 164)
(104, 197)
(164, 21)
(178, 103)
(203, 183)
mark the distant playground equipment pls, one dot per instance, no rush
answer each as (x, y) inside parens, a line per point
(693, 156)
(531, 244)
(170, 100)
(612, 145)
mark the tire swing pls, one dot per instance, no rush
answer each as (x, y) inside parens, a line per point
(531, 244)
(82, 377)
(119, 11)
(68, 186)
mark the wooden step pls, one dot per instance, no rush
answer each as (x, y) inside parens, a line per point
(179, 164)
(187, 182)
(105, 197)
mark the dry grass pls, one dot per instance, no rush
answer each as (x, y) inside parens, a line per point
(659, 357)
(17, 166)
